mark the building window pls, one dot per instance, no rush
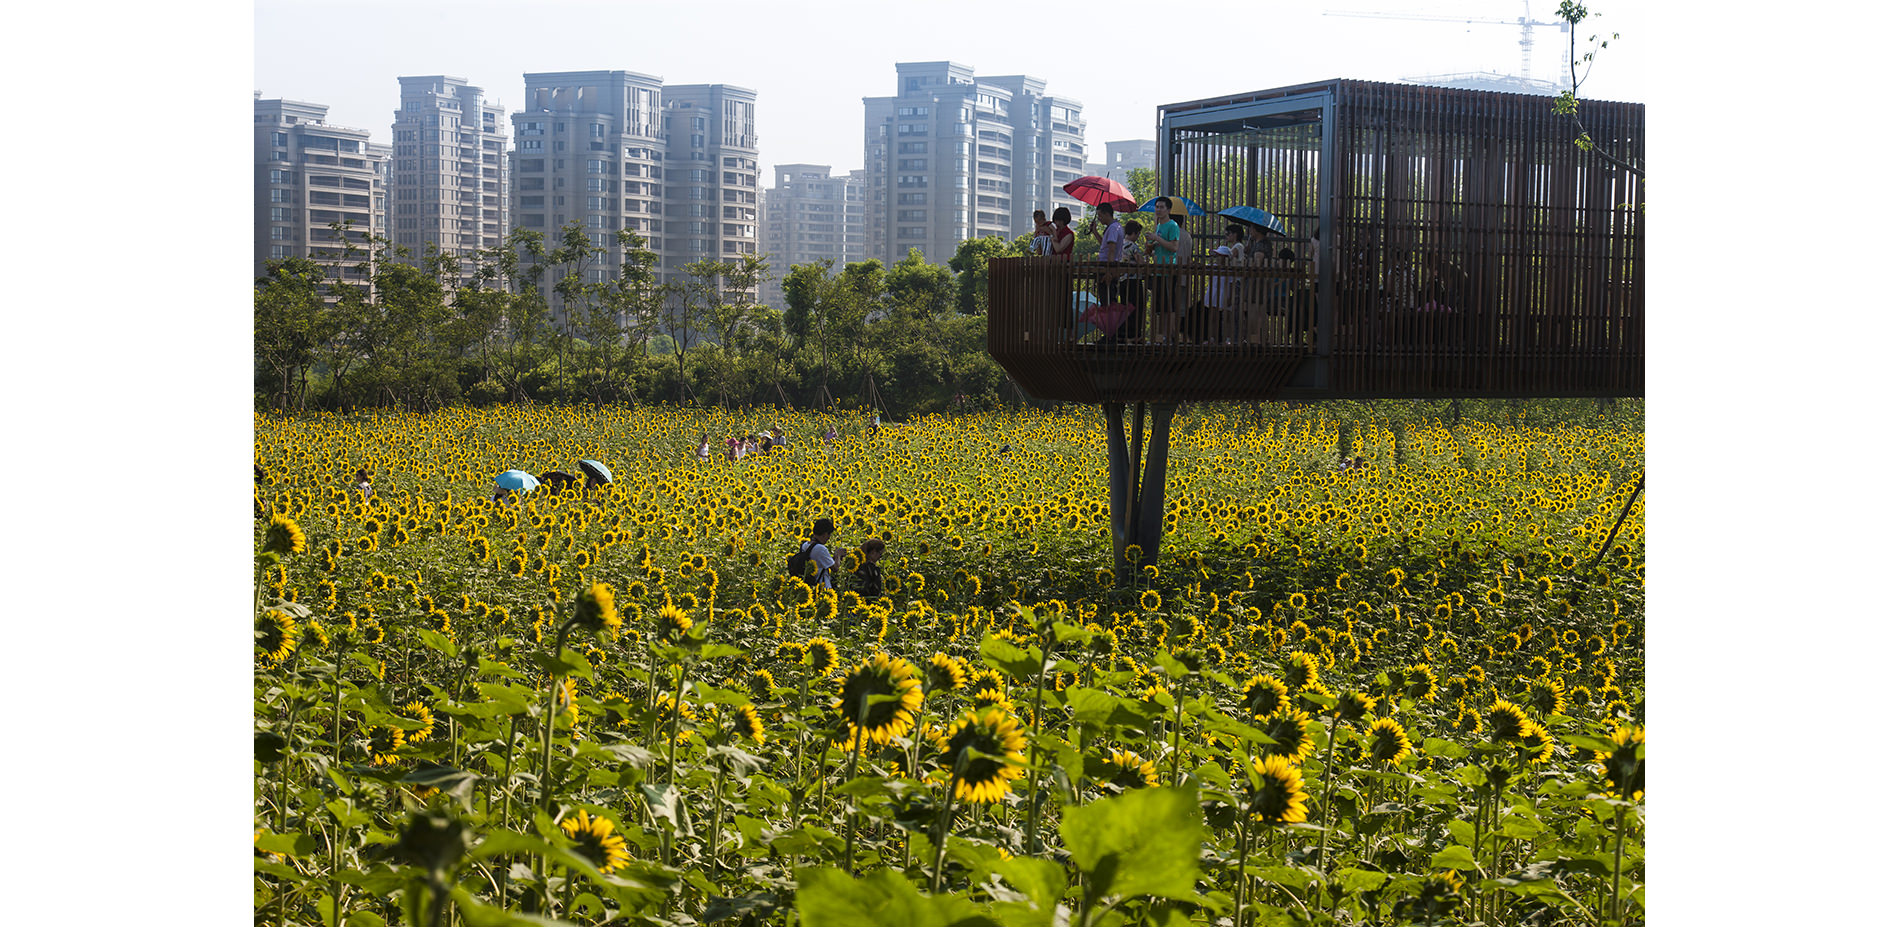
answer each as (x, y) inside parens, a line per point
(280, 232)
(911, 232)
(534, 219)
(531, 144)
(534, 165)
(596, 131)
(596, 167)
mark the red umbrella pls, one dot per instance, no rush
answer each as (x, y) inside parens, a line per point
(1096, 191)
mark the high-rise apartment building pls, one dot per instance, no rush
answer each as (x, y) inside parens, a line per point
(1124, 156)
(811, 216)
(589, 148)
(619, 150)
(449, 179)
(954, 155)
(309, 175)
(712, 174)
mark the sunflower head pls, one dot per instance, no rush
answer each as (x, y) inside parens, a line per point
(1291, 740)
(1505, 721)
(1386, 741)
(671, 622)
(1277, 792)
(1546, 696)
(594, 609)
(276, 635)
(761, 683)
(1535, 744)
(1353, 705)
(743, 724)
(822, 655)
(944, 673)
(1622, 767)
(1262, 695)
(1130, 771)
(881, 696)
(983, 753)
(283, 536)
(1301, 671)
(595, 841)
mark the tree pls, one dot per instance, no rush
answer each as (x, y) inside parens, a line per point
(972, 266)
(1574, 13)
(289, 322)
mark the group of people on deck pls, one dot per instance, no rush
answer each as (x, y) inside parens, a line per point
(1225, 313)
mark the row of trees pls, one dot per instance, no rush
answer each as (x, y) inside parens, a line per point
(536, 320)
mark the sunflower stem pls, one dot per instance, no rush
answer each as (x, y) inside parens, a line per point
(944, 819)
(858, 735)
(547, 749)
(1174, 752)
(1240, 878)
(719, 812)
(1326, 790)
(1035, 775)
(1616, 871)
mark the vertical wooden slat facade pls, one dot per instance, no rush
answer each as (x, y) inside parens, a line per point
(1445, 243)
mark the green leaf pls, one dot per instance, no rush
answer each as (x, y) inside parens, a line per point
(288, 844)
(1144, 842)
(436, 640)
(365, 919)
(1044, 881)
(665, 803)
(633, 755)
(509, 699)
(1168, 664)
(1101, 711)
(1359, 880)
(882, 898)
(1020, 664)
(1454, 857)
(1461, 831)
(718, 696)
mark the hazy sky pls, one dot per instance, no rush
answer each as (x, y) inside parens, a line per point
(812, 64)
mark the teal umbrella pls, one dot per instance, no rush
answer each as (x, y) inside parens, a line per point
(1254, 215)
(516, 479)
(1182, 207)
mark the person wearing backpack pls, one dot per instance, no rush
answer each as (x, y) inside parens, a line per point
(815, 551)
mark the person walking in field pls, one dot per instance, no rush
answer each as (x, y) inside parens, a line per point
(868, 578)
(813, 552)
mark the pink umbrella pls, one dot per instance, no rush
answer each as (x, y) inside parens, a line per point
(1096, 191)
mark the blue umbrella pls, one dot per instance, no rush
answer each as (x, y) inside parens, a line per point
(1254, 215)
(598, 470)
(1193, 209)
(516, 479)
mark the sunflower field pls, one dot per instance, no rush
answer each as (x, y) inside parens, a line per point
(1410, 692)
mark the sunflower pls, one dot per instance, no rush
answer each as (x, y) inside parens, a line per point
(1506, 721)
(1278, 793)
(1468, 721)
(744, 724)
(283, 536)
(384, 741)
(276, 635)
(1130, 771)
(1535, 743)
(1352, 706)
(1296, 600)
(989, 678)
(1546, 696)
(671, 622)
(823, 655)
(1287, 727)
(1302, 671)
(1386, 741)
(761, 683)
(419, 712)
(1420, 682)
(595, 841)
(984, 753)
(1262, 695)
(880, 675)
(944, 673)
(990, 698)
(1150, 600)
(1622, 768)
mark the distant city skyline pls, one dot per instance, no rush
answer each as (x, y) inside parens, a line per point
(813, 69)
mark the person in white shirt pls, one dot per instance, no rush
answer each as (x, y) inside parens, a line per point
(821, 531)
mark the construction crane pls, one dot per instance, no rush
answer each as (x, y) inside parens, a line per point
(1524, 22)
